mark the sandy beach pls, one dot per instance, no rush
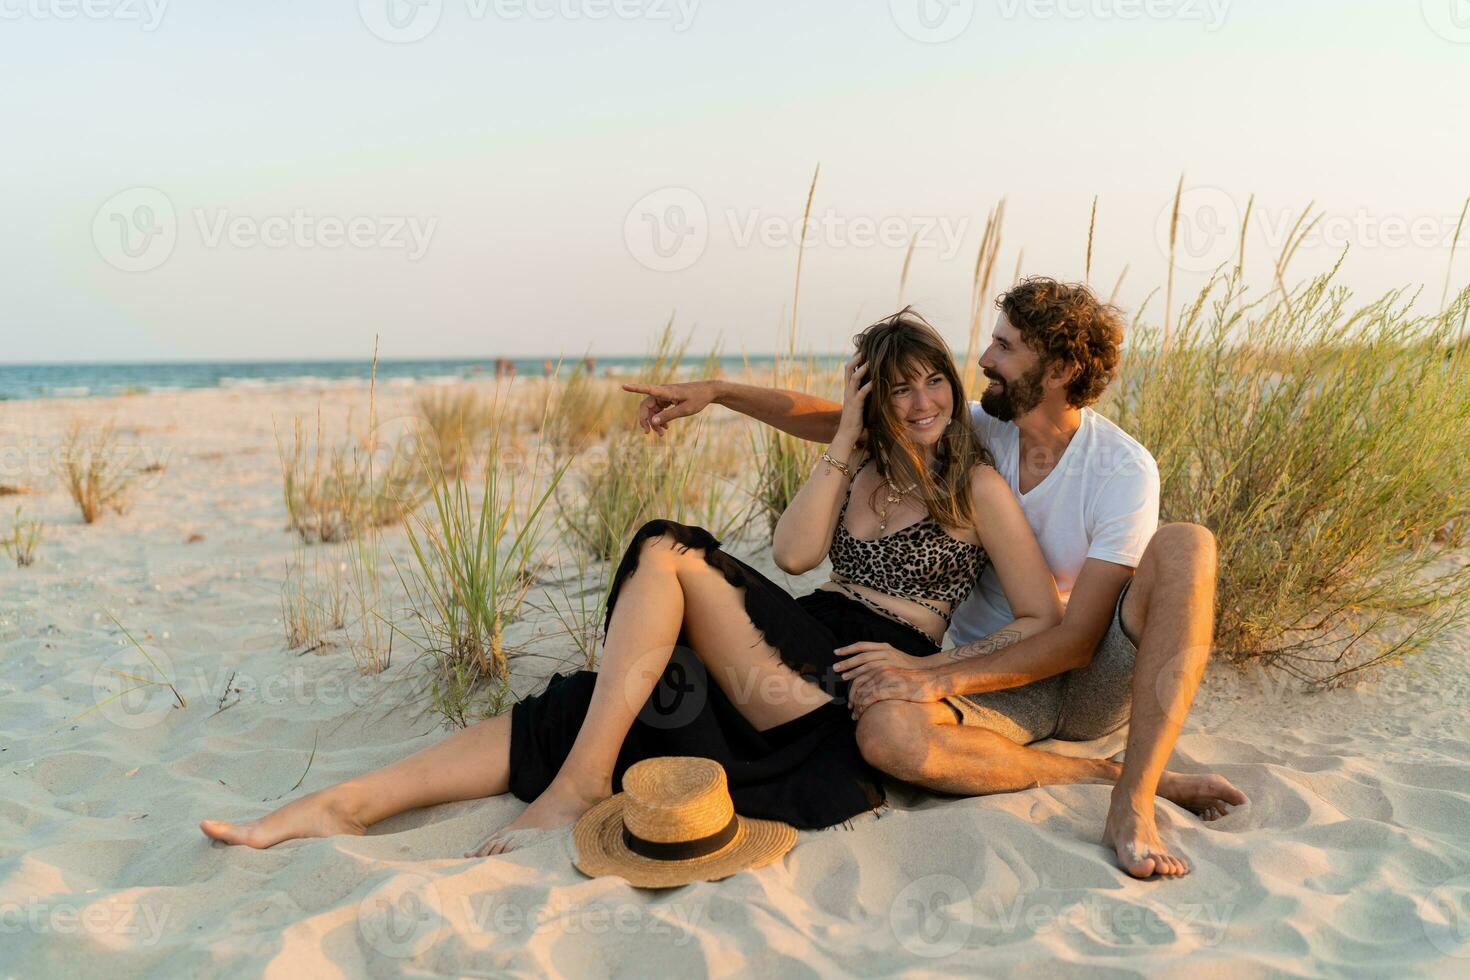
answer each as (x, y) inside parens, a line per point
(1352, 858)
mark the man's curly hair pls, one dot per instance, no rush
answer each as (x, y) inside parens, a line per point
(1065, 323)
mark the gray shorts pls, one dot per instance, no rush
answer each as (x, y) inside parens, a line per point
(1077, 706)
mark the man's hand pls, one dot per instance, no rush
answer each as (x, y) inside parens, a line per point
(862, 659)
(664, 403)
(888, 683)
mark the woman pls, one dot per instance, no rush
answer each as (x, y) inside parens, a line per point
(908, 507)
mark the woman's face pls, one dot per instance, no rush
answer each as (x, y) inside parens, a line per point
(923, 402)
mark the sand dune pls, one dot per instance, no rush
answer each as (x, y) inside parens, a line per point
(1353, 857)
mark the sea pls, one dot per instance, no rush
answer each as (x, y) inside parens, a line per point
(24, 381)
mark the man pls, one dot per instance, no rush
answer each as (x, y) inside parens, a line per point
(1139, 601)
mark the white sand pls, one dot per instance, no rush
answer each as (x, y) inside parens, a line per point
(1352, 858)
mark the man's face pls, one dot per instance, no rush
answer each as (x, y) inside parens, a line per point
(1015, 373)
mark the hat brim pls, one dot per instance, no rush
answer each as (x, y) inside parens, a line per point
(598, 837)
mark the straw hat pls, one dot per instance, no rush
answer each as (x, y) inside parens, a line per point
(674, 824)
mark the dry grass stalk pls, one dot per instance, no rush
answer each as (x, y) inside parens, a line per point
(23, 540)
(453, 422)
(980, 286)
(94, 471)
(1449, 271)
(1091, 228)
(334, 493)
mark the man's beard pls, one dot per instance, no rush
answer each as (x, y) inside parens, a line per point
(1015, 398)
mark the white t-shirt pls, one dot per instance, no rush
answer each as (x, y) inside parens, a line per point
(1101, 500)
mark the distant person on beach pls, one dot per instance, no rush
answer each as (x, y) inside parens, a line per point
(1134, 641)
(705, 656)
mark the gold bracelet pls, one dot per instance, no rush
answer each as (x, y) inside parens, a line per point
(841, 467)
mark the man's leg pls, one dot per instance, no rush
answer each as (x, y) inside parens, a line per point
(1170, 613)
(923, 744)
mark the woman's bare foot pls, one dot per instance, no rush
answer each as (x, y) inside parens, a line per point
(558, 806)
(325, 813)
(1207, 795)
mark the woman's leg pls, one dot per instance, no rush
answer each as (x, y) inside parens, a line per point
(673, 589)
(468, 765)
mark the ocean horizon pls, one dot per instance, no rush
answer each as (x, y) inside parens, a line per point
(103, 379)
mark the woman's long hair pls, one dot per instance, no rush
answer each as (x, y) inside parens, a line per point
(894, 349)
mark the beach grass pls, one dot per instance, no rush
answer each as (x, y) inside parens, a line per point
(1322, 442)
(333, 492)
(23, 540)
(453, 423)
(314, 598)
(475, 552)
(93, 468)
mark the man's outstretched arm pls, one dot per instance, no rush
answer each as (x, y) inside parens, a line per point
(804, 416)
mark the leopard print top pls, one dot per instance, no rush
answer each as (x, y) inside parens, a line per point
(921, 562)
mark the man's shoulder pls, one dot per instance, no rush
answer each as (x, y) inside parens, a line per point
(1115, 451)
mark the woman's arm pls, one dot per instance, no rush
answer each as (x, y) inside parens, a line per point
(804, 533)
(1030, 590)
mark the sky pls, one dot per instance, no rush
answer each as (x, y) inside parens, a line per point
(284, 179)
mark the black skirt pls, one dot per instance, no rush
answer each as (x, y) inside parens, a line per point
(807, 772)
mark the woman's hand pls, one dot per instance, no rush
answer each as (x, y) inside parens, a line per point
(866, 658)
(854, 397)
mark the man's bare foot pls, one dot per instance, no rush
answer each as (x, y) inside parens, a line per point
(1134, 838)
(325, 813)
(558, 806)
(1207, 795)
